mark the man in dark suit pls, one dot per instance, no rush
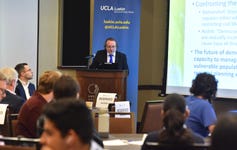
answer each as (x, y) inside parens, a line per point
(24, 88)
(110, 55)
(14, 102)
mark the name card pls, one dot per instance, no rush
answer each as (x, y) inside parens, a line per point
(104, 99)
(122, 106)
(3, 110)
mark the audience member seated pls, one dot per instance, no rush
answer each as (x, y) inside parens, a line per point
(68, 125)
(32, 108)
(224, 136)
(66, 87)
(24, 87)
(174, 132)
(15, 102)
(202, 117)
(3, 85)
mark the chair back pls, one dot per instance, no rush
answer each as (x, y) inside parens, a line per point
(151, 117)
(8, 128)
(12, 120)
(4, 128)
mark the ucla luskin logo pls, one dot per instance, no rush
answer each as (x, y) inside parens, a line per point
(106, 8)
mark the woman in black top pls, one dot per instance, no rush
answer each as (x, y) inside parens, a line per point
(174, 132)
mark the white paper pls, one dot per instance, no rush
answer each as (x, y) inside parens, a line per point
(120, 142)
(3, 110)
(116, 142)
(104, 99)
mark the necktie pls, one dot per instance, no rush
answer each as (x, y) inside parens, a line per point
(110, 58)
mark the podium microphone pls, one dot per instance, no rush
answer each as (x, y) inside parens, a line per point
(88, 59)
(90, 56)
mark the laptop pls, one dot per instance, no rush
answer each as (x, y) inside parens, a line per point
(108, 66)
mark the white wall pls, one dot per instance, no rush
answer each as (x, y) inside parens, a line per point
(18, 33)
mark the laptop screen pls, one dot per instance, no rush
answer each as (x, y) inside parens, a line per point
(108, 66)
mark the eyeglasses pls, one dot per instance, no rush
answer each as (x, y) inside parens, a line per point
(110, 46)
(27, 70)
(2, 91)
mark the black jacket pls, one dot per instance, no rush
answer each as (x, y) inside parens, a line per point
(15, 102)
(101, 58)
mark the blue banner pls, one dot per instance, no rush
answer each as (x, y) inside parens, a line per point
(120, 19)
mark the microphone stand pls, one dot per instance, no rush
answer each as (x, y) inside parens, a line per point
(88, 60)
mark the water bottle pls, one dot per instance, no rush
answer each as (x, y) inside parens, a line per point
(103, 123)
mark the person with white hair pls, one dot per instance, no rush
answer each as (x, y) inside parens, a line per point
(14, 102)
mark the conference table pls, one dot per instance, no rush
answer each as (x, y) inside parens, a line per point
(113, 142)
(124, 141)
(131, 141)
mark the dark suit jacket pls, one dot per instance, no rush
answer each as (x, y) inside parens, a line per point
(101, 57)
(15, 102)
(20, 90)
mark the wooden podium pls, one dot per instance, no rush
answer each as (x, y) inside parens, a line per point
(108, 81)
